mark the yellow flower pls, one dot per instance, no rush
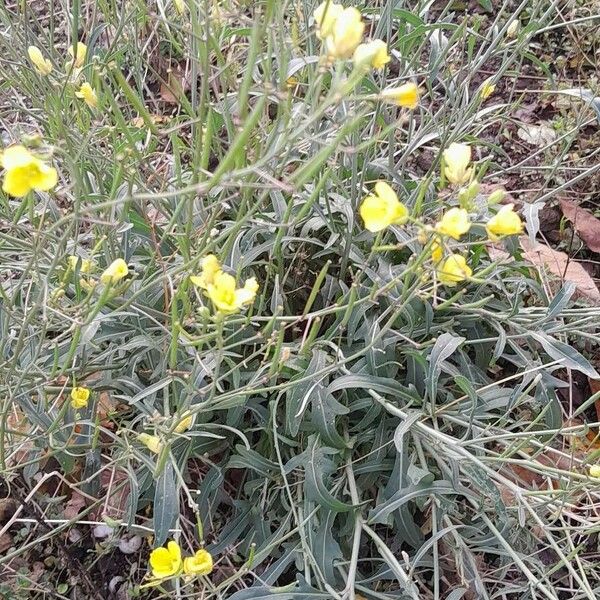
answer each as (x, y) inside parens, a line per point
(454, 222)
(406, 95)
(25, 172)
(437, 252)
(210, 267)
(199, 564)
(453, 270)
(80, 397)
(43, 65)
(88, 95)
(166, 562)
(226, 297)
(325, 16)
(505, 222)
(595, 471)
(382, 209)
(185, 423)
(457, 158)
(179, 6)
(152, 442)
(115, 271)
(346, 34)
(487, 89)
(79, 58)
(85, 266)
(372, 54)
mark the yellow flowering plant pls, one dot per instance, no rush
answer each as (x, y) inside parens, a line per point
(88, 95)
(42, 65)
(454, 223)
(80, 397)
(487, 88)
(505, 222)
(77, 55)
(325, 16)
(166, 562)
(382, 208)
(457, 163)
(406, 95)
(346, 34)
(199, 564)
(453, 270)
(116, 271)
(152, 442)
(24, 172)
(371, 54)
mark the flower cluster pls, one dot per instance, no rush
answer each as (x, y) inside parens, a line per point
(382, 208)
(341, 31)
(221, 288)
(73, 65)
(167, 562)
(24, 172)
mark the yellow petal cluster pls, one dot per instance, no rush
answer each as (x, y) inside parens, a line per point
(457, 160)
(25, 172)
(505, 222)
(454, 223)
(382, 208)
(166, 562)
(453, 270)
(88, 95)
(371, 54)
(42, 65)
(210, 266)
(199, 564)
(487, 89)
(85, 266)
(77, 56)
(80, 397)
(346, 34)
(185, 423)
(222, 288)
(115, 272)
(406, 95)
(325, 16)
(152, 442)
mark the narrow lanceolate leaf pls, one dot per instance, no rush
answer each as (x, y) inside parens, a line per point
(444, 347)
(166, 504)
(565, 354)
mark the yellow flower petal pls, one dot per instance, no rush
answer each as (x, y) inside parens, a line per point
(382, 209)
(42, 65)
(406, 95)
(115, 272)
(152, 442)
(454, 223)
(26, 172)
(372, 54)
(505, 222)
(325, 16)
(346, 34)
(595, 471)
(487, 89)
(453, 270)
(80, 397)
(199, 564)
(81, 54)
(88, 95)
(457, 158)
(166, 562)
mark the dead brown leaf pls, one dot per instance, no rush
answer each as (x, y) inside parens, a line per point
(74, 505)
(584, 222)
(175, 85)
(559, 264)
(5, 541)
(595, 388)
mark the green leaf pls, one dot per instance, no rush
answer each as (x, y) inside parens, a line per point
(567, 355)
(166, 504)
(443, 348)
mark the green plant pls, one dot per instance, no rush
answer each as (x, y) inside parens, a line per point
(355, 431)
